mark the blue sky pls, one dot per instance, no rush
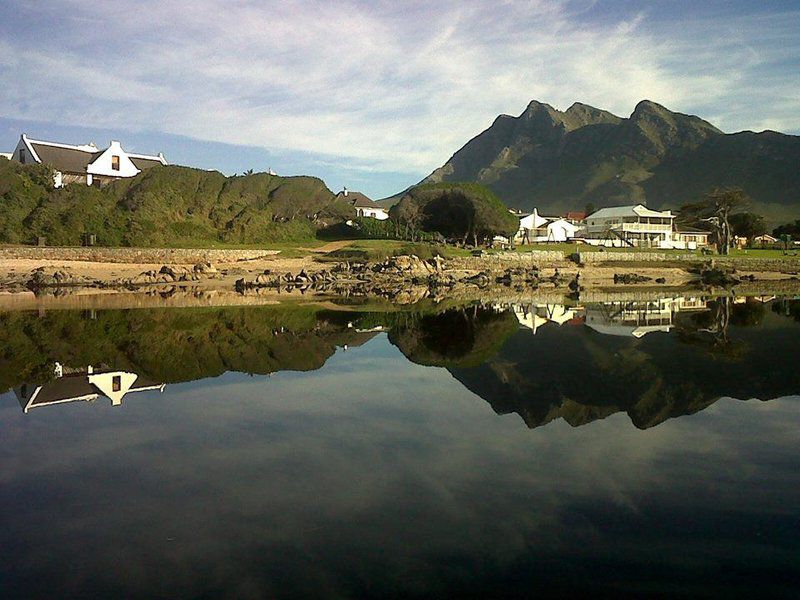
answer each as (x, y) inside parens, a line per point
(375, 95)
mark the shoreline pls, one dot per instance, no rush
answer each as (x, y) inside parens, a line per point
(255, 277)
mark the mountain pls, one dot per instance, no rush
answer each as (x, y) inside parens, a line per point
(559, 161)
(165, 205)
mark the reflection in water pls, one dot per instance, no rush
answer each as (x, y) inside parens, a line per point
(359, 473)
(586, 363)
(703, 350)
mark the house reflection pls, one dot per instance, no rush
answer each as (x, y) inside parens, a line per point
(533, 316)
(638, 318)
(629, 318)
(85, 384)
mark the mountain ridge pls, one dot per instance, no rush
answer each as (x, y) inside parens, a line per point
(563, 160)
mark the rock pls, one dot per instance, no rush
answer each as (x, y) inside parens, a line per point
(719, 277)
(630, 278)
(661, 280)
(204, 268)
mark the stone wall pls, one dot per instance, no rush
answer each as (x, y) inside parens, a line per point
(504, 260)
(133, 255)
(599, 257)
(788, 264)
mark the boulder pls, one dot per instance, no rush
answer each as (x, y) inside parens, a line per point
(204, 268)
(630, 278)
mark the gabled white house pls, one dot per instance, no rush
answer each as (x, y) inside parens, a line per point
(364, 206)
(534, 228)
(85, 163)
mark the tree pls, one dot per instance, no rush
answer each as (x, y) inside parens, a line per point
(589, 209)
(747, 224)
(792, 229)
(716, 210)
(408, 215)
(463, 211)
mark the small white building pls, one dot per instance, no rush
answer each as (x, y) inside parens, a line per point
(535, 228)
(85, 163)
(364, 206)
(7, 155)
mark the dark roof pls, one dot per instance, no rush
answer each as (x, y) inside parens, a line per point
(144, 163)
(66, 160)
(358, 200)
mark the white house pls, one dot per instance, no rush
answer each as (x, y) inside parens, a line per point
(85, 163)
(637, 225)
(630, 225)
(364, 206)
(7, 155)
(534, 228)
(84, 385)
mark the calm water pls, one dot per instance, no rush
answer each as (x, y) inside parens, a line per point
(638, 449)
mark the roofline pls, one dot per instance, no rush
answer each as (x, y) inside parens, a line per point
(157, 157)
(65, 401)
(84, 148)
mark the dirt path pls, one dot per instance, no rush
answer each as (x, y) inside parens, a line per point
(330, 247)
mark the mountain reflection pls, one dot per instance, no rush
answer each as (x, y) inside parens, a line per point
(653, 359)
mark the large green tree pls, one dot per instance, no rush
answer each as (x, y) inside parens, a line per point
(747, 224)
(461, 211)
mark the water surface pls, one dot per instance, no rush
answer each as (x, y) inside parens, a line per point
(639, 448)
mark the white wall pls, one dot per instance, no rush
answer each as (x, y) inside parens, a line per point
(102, 164)
(105, 383)
(375, 213)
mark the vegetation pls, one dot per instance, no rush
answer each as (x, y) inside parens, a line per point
(717, 210)
(458, 211)
(790, 229)
(747, 224)
(164, 206)
(378, 250)
(369, 228)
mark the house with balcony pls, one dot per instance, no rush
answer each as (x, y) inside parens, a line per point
(630, 226)
(85, 163)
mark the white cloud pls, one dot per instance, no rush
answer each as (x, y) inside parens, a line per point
(390, 86)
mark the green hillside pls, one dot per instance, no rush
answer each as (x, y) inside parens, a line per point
(164, 206)
(559, 161)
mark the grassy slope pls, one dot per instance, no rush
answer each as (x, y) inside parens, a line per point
(165, 206)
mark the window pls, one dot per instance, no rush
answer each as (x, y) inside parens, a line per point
(22, 155)
(115, 162)
(116, 383)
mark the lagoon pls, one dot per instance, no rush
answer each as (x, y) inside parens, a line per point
(643, 448)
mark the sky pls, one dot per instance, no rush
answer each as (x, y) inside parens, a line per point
(374, 95)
